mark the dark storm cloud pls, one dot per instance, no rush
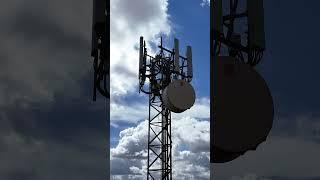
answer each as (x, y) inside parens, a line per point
(32, 28)
(50, 128)
(63, 140)
(61, 118)
(306, 126)
(45, 46)
(286, 178)
(45, 159)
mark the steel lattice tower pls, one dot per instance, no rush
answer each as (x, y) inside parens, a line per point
(159, 141)
(159, 128)
(160, 71)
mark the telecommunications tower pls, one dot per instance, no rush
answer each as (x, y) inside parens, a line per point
(241, 103)
(166, 79)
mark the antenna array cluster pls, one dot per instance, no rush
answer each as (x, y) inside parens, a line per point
(248, 47)
(168, 63)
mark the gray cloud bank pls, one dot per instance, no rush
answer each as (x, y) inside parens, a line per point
(290, 152)
(50, 129)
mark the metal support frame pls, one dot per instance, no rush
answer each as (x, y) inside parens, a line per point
(241, 51)
(101, 50)
(159, 131)
(159, 141)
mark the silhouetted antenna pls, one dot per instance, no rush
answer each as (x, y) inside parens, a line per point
(100, 50)
(176, 55)
(256, 33)
(142, 62)
(217, 16)
(189, 62)
(141, 55)
(249, 51)
(169, 91)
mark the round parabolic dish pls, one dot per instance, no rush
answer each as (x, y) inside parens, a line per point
(243, 110)
(178, 96)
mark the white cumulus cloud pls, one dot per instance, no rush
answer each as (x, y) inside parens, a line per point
(190, 150)
(129, 21)
(205, 3)
(138, 111)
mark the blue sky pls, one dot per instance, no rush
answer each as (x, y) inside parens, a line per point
(191, 26)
